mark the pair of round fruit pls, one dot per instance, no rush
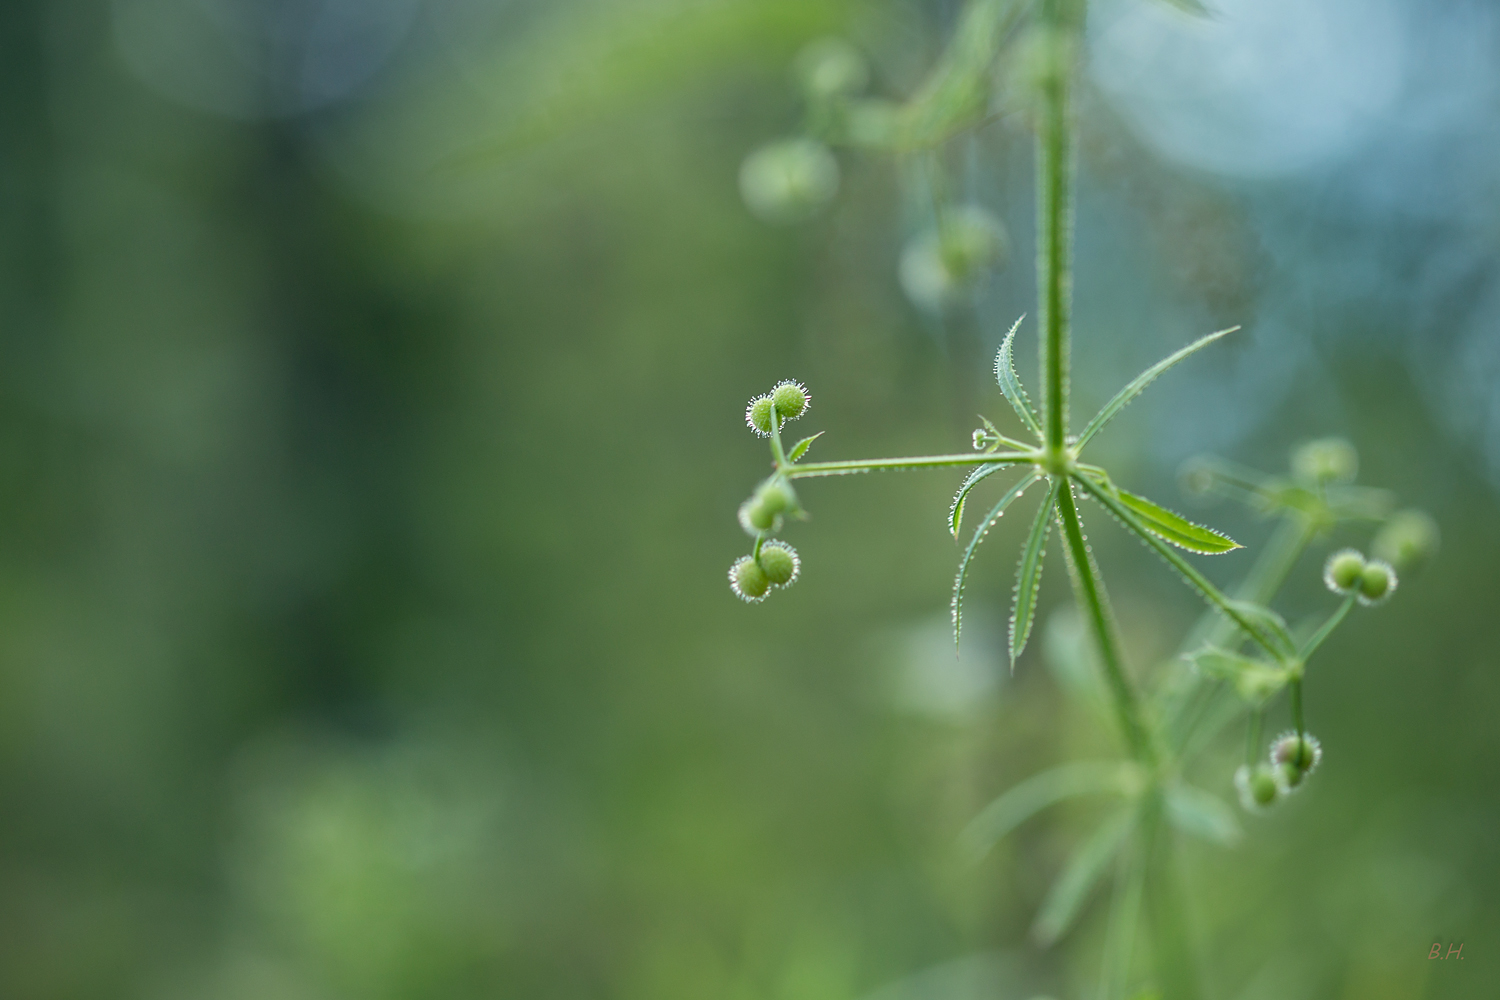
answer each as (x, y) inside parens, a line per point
(752, 578)
(789, 399)
(762, 512)
(1293, 758)
(1349, 572)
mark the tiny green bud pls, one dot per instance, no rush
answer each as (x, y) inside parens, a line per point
(758, 415)
(790, 398)
(1407, 540)
(780, 563)
(981, 439)
(1326, 460)
(831, 68)
(1343, 571)
(789, 181)
(1289, 777)
(1377, 582)
(1258, 787)
(1303, 753)
(748, 581)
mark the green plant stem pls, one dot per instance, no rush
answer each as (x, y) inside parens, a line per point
(1088, 588)
(1124, 913)
(1171, 939)
(1252, 736)
(1174, 955)
(1312, 644)
(953, 98)
(1054, 173)
(777, 452)
(1011, 442)
(1295, 691)
(1054, 187)
(808, 470)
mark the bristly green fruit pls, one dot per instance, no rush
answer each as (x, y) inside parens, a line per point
(757, 518)
(758, 415)
(1407, 540)
(1377, 582)
(780, 563)
(790, 399)
(748, 581)
(946, 265)
(789, 181)
(775, 496)
(762, 512)
(1324, 461)
(1304, 753)
(1258, 787)
(1288, 777)
(1343, 571)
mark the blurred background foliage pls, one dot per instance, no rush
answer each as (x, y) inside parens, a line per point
(371, 389)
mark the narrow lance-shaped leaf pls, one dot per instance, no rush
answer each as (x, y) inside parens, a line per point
(800, 448)
(1038, 792)
(1164, 523)
(1010, 383)
(1139, 383)
(1175, 528)
(1068, 893)
(1257, 629)
(956, 512)
(1196, 812)
(1029, 574)
(979, 533)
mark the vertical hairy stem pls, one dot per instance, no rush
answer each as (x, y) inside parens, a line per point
(1088, 588)
(1252, 737)
(1054, 178)
(776, 450)
(1175, 962)
(1124, 913)
(1171, 939)
(1295, 687)
(1060, 21)
(1054, 215)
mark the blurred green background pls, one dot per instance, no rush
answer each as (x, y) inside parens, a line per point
(371, 418)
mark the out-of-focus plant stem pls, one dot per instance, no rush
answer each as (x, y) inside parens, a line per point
(1060, 22)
